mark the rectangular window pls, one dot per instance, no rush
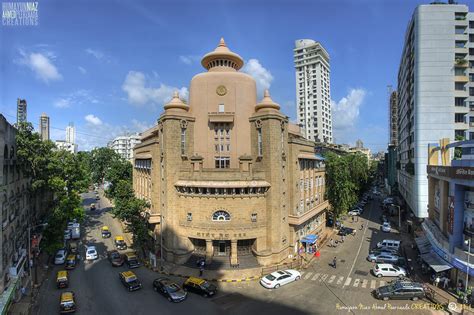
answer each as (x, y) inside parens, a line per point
(471, 91)
(460, 44)
(259, 142)
(221, 108)
(189, 217)
(459, 118)
(222, 162)
(459, 101)
(459, 86)
(183, 141)
(460, 29)
(459, 71)
(253, 217)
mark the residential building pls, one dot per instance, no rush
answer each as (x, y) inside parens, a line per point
(432, 93)
(44, 127)
(449, 228)
(359, 144)
(229, 178)
(70, 133)
(313, 93)
(124, 145)
(64, 145)
(393, 119)
(21, 108)
(15, 216)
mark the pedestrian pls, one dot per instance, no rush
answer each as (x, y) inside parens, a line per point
(362, 226)
(23, 291)
(334, 262)
(352, 219)
(437, 280)
(342, 237)
(445, 283)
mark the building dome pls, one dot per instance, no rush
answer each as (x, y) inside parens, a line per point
(267, 103)
(176, 103)
(222, 58)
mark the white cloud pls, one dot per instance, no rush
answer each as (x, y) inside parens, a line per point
(62, 103)
(41, 64)
(140, 92)
(82, 70)
(189, 59)
(78, 98)
(262, 76)
(345, 114)
(94, 120)
(96, 53)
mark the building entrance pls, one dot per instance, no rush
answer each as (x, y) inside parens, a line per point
(221, 248)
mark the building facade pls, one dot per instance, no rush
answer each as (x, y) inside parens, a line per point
(313, 90)
(449, 228)
(124, 145)
(15, 214)
(21, 108)
(70, 133)
(44, 127)
(432, 92)
(67, 146)
(228, 177)
(393, 118)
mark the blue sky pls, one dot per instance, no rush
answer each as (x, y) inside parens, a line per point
(108, 66)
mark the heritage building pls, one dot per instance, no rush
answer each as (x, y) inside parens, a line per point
(227, 176)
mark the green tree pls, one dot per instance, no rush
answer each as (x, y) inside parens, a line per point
(119, 169)
(458, 151)
(100, 161)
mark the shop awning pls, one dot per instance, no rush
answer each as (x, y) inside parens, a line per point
(423, 244)
(309, 239)
(437, 263)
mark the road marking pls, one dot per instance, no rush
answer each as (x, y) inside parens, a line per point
(339, 281)
(382, 283)
(356, 283)
(364, 283)
(372, 284)
(323, 278)
(302, 273)
(331, 280)
(316, 276)
(348, 280)
(308, 275)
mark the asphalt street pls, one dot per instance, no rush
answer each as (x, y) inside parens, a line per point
(321, 290)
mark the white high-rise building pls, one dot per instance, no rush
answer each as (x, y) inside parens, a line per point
(124, 145)
(70, 133)
(434, 91)
(313, 93)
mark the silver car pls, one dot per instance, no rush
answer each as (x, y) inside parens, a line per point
(383, 257)
(60, 257)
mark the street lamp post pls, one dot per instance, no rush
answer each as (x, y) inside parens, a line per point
(468, 243)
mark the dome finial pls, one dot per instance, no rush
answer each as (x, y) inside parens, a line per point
(222, 42)
(176, 103)
(267, 103)
(266, 93)
(175, 94)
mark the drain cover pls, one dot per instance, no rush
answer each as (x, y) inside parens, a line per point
(361, 273)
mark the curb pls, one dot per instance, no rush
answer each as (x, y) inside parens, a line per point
(253, 278)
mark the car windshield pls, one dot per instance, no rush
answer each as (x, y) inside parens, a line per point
(115, 255)
(172, 288)
(91, 251)
(67, 304)
(270, 277)
(206, 285)
(131, 279)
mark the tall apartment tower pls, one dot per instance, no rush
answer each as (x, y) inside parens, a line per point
(70, 133)
(20, 111)
(44, 127)
(432, 93)
(313, 96)
(393, 116)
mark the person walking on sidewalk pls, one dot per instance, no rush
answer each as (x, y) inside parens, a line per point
(334, 261)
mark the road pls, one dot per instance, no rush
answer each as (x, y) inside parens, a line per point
(322, 289)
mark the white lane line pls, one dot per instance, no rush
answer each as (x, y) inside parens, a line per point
(331, 280)
(361, 242)
(356, 283)
(364, 283)
(382, 283)
(316, 276)
(323, 278)
(372, 284)
(348, 280)
(308, 275)
(339, 281)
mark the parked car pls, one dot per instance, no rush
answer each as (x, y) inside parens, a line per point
(132, 260)
(354, 212)
(383, 257)
(115, 258)
(71, 261)
(394, 244)
(279, 278)
(344, 231)
(60, 257)
(91, 253)
(376, 251)
(73, 247)
(106, 232)
(199, 286)
(388, 270)
(169, 290)
(67, 303)
(67, 235)
(401, 290)
(120, 243)
(386, 227)
(130, 281)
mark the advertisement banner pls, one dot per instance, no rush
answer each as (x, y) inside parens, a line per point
(450, 214)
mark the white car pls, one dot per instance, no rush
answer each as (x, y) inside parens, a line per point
(67, 235)
(388, 270)
(354, 212)
(91, 253)
(60, 257)
(386, 227)
(279, 278)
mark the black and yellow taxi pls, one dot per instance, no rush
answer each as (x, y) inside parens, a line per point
(105, 231)
(130, 281)
(71, 261)
(62, 279)
(120, 242)
(92, 208)
(132, 260)
(73, 247)
(67, 302)
(199, 286)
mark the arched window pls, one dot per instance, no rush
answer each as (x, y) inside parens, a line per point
(221, 216)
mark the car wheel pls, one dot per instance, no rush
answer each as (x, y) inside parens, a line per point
(185, 289)
(205, 295)
(415, 298)
(297, 278)
(276, 286)
(379, 275)
(385, 298)
(169, 299)
(154, 288)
